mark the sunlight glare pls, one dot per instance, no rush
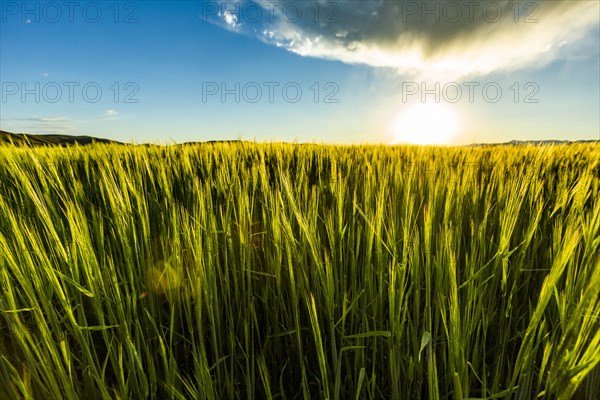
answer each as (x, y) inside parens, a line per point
(428, 123)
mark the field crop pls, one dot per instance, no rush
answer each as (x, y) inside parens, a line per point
(276, 271)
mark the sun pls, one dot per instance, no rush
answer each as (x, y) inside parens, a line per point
(427, 123)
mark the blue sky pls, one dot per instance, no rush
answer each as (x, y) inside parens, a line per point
(161, 68)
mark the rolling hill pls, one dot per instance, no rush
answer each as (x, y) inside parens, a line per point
(21, 139)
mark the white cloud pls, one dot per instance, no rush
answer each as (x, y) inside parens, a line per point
(481, 38)
(111, 114)
(41, 125)
(230, 19)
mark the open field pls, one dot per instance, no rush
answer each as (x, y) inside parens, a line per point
(299, 272)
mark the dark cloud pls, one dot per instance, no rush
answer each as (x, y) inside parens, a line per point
(454, 37)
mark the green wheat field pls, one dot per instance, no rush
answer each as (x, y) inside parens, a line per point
(288, 271)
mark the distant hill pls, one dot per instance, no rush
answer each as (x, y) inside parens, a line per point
(21, 139)
(532, 142)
